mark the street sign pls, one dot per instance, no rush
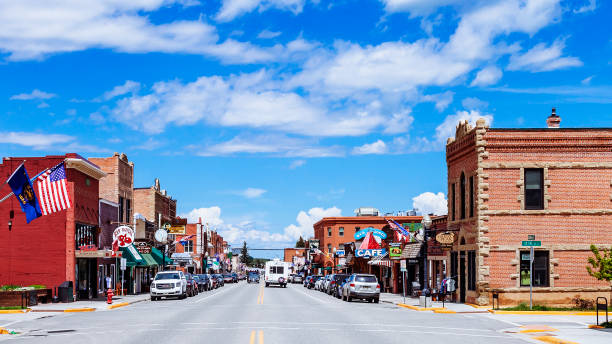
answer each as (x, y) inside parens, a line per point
(531, 243)
(403, 266)
(531, 237)
(123, 263)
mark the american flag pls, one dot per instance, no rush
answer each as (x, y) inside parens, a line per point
(400, 232)
(52, 191)
(184, 240)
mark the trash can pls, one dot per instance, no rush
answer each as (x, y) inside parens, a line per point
(65, 292)
(32, 298)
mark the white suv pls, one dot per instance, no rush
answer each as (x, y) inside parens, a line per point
(169, 283)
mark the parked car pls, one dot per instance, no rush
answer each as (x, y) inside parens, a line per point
(235, 277)
(169, 283)
(228, 278)
(203, 281)
(213, 281)
(325, 283)
(340, 287)
(298, 279)
(219, 279)
(361, 286)
(319, 283)
(253, 276)
(192, 285)
(307, 281)
(334, 280)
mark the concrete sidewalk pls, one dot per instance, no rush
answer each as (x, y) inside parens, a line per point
(451, 307)
(91, 305)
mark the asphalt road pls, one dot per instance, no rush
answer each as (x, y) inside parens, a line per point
(250, 313)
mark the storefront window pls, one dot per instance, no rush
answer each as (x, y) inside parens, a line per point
(188, 246)
(540, 269)
(471, 270)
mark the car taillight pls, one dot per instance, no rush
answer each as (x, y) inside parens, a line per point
(333, 282)
(378, 286)
(352, 285)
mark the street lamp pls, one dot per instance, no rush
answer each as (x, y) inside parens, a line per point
(426, 222)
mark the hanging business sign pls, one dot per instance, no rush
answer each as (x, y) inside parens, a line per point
(369, 253)
(446, 239)
(143, 247)
(340, 253)
(176, 230)
(395, 250)
(375, 232)
(123, 235)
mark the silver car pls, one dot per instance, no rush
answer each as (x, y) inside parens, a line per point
(361, 286)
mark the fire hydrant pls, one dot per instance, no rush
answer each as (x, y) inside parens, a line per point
(109, 296)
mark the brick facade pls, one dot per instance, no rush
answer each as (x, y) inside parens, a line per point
(576, 208)
(154, 204)
(118, 185)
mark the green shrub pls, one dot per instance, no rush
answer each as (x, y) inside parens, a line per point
(37, 286)
(9, 287)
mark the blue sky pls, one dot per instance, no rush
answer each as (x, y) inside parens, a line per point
(265, 115)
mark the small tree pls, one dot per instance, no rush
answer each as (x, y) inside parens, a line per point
(244, 254)
(601, 265)
(300, 243)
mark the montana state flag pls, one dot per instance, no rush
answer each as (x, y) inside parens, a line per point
(22, 189)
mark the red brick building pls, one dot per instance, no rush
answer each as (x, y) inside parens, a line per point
(154, 204)
(507, 185)
(47, 250)
(295, 255)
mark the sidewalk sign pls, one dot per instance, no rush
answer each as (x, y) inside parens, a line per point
(403, 266)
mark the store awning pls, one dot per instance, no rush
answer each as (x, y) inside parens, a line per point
(382, 262)
(158, 256)
(134, 258)
(411, 250)
(149, 260)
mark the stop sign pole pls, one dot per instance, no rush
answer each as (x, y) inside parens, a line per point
(531, 243)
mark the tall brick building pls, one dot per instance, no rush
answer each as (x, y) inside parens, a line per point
(505, 185)
(154, 204)
(49, 250)
(118, 185)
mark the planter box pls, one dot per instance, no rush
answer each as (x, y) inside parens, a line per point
(21, 298)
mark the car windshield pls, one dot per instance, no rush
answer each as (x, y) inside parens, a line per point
(340, 277)
(365, 278)
(167, 276)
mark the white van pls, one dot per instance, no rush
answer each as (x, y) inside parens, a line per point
(277, 273)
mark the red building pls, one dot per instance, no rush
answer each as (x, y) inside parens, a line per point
(551, 185)
(59, 247)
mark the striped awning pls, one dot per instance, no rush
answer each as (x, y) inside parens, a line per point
(382, 262)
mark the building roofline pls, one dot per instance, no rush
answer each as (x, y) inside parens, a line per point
(345, 219)
(549, 129)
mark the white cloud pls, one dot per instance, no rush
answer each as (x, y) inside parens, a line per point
(252, 192)
(588, 7)
(210, 215)
(587, 80)
(275, 145)
(416, 7)
(473, 103)
(34, 140)
(487, 76)
(267, 34)
(31, 29)
(399, 122)
(235, 8)
(447, 128)
(542, 58)
(431, 203)
(35, 94)
(378, 147)
(442, 100)
(128, 87)
(254, 100)
(306, 220)
(297, 163)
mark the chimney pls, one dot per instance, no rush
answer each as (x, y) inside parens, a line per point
(553, 121)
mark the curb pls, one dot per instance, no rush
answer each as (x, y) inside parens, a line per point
(122, 304)
(14, 311)
(477, 306)
(541, 312)
(77, 310)
(553, 340)
(420, 309)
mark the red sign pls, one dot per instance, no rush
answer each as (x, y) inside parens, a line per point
(88, 248)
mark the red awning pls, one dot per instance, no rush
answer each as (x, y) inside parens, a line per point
(369, 242)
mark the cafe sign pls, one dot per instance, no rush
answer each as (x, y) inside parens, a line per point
(370, 253)
(375, 232)
(446, 239)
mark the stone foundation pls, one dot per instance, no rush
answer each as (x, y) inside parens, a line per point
(547, 297)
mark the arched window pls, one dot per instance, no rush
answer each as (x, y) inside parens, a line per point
(462, 190)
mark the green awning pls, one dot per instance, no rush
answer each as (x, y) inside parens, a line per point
(134, 258)
(149, 260)
(158, 256)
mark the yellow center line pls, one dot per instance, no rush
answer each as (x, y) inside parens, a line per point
(252, 340)
(261, 296)
(261, 337)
